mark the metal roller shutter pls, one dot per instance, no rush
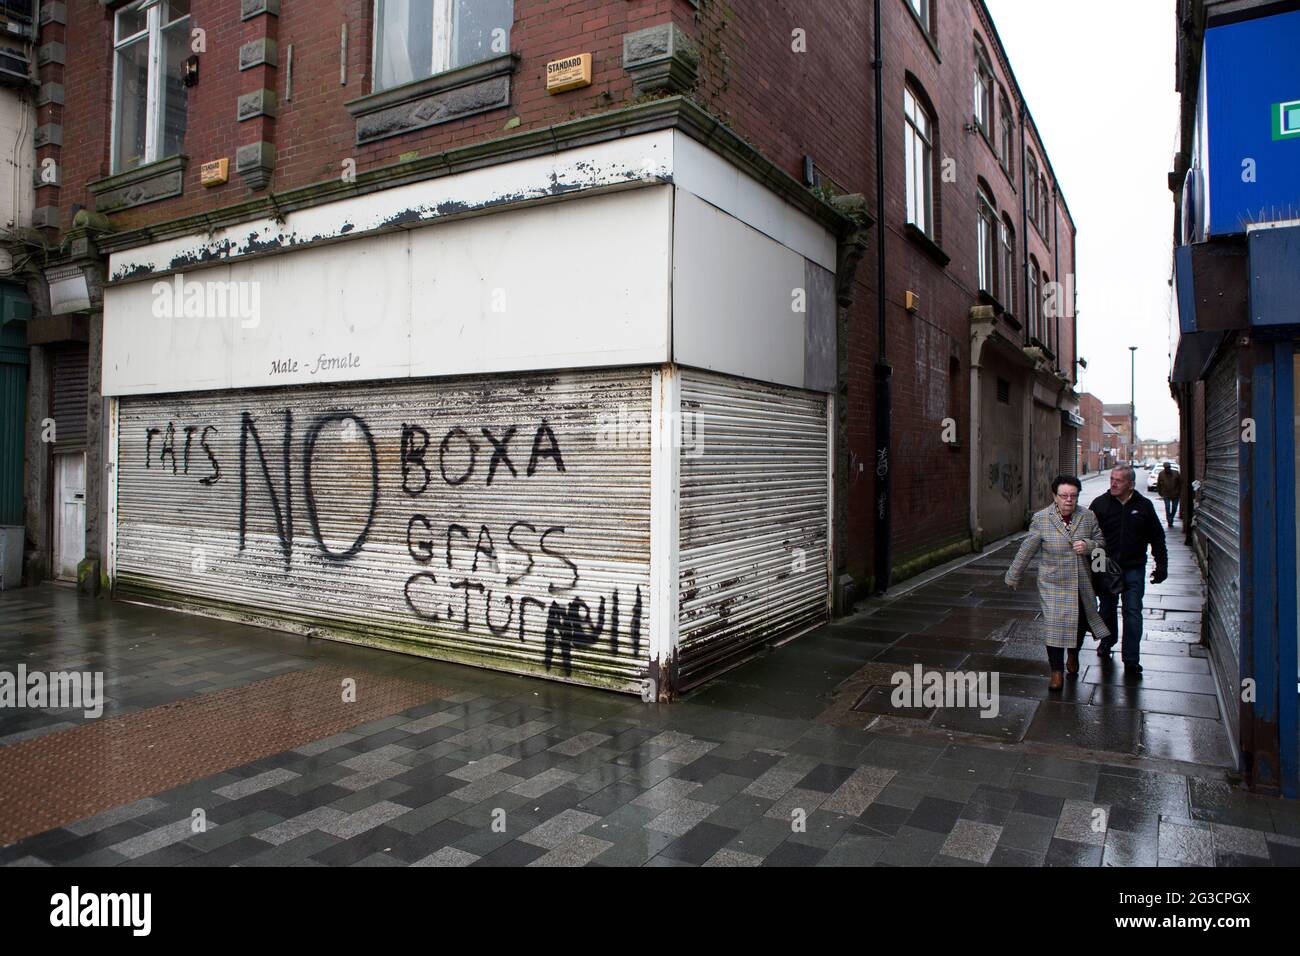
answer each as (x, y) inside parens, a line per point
(755, 502)
(68, 402)
(1219, 519)
(426, 516)
(1068, 464)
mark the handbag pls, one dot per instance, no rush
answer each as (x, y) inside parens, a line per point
(1109, 581)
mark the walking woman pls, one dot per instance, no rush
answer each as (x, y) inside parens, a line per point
(1066, 534)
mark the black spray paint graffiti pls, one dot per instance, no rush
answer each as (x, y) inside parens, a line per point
(567, 626)
(283, 510)
(415, 446)
(568, 619)
(168, 449)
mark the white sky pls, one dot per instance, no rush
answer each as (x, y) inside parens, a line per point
(1099, 81)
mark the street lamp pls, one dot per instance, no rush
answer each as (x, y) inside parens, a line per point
(1132, 404)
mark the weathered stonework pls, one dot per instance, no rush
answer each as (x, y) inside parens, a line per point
(50, 93)
(259, 52)
(252, 8)
(45, 217)
(436, 99)
(48, 134)
(257, 103)
(160, 180)
(255, 162)
(660, 58)
(53, 13)
(48, 53)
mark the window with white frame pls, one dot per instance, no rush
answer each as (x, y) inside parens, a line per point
(986, 243)
(1007, 135)
(1033, 304)
(415, 39)
(983, 89)
(1007, 241)
(151, 40)
(918, 162)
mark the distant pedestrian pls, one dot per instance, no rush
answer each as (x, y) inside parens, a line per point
(1130, 526)
(1170, 487)
(1066, 535)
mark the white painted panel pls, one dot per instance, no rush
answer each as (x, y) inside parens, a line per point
(583, 283)
(617, 162)
(732, 297)
(563, 285)
(698, 170)
(337, 313)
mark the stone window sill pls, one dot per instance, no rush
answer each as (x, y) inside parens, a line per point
(466, 90)
(931, 248)
(163, 179)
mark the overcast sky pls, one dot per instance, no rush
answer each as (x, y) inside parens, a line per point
(1099, 81)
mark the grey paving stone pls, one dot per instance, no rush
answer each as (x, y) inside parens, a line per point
(666, 793)
(263, 781)
(681, 817)
(1186, 844)
(362, 820)
(972, 841)
(483, 767)
(726, 857)
(1230, 839)
(559, 829)
(579, 850)
(447, 856)
(108, 818)
(1082, 822)
(155, 839)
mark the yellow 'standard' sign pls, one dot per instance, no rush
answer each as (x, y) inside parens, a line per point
(569, 73)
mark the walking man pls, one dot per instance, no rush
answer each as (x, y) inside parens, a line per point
(1170, 487)
(1129, 525)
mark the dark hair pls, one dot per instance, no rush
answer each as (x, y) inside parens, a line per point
(1066, 480)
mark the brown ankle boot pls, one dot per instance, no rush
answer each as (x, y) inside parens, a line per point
(1072, 662)
(1057, 681)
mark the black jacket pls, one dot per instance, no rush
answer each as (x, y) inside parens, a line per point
(1129, 529)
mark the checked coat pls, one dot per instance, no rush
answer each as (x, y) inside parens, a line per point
(1063, 576)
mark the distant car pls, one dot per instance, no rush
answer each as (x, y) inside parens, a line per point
(1153, 479)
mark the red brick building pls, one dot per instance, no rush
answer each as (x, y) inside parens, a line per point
(389, 218)
(1092, 448)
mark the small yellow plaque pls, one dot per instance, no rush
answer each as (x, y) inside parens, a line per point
(568, 74)
(216, 172)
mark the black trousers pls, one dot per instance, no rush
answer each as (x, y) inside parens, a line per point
(1056, 655)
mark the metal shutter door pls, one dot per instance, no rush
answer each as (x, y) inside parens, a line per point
(71, 392)
(1218, 519)
(754, 511)
(486, 564)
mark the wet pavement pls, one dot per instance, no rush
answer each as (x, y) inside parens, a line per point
(222, 744)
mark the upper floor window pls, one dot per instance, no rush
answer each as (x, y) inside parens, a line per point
(983, 90)
(1006, 134)
(986, 244)
(151, 40)
(1033, 304)
(921, 9)
(1007, 241)
(415, 39)
(1044, 206)
(1031, 186)
(918, 160)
